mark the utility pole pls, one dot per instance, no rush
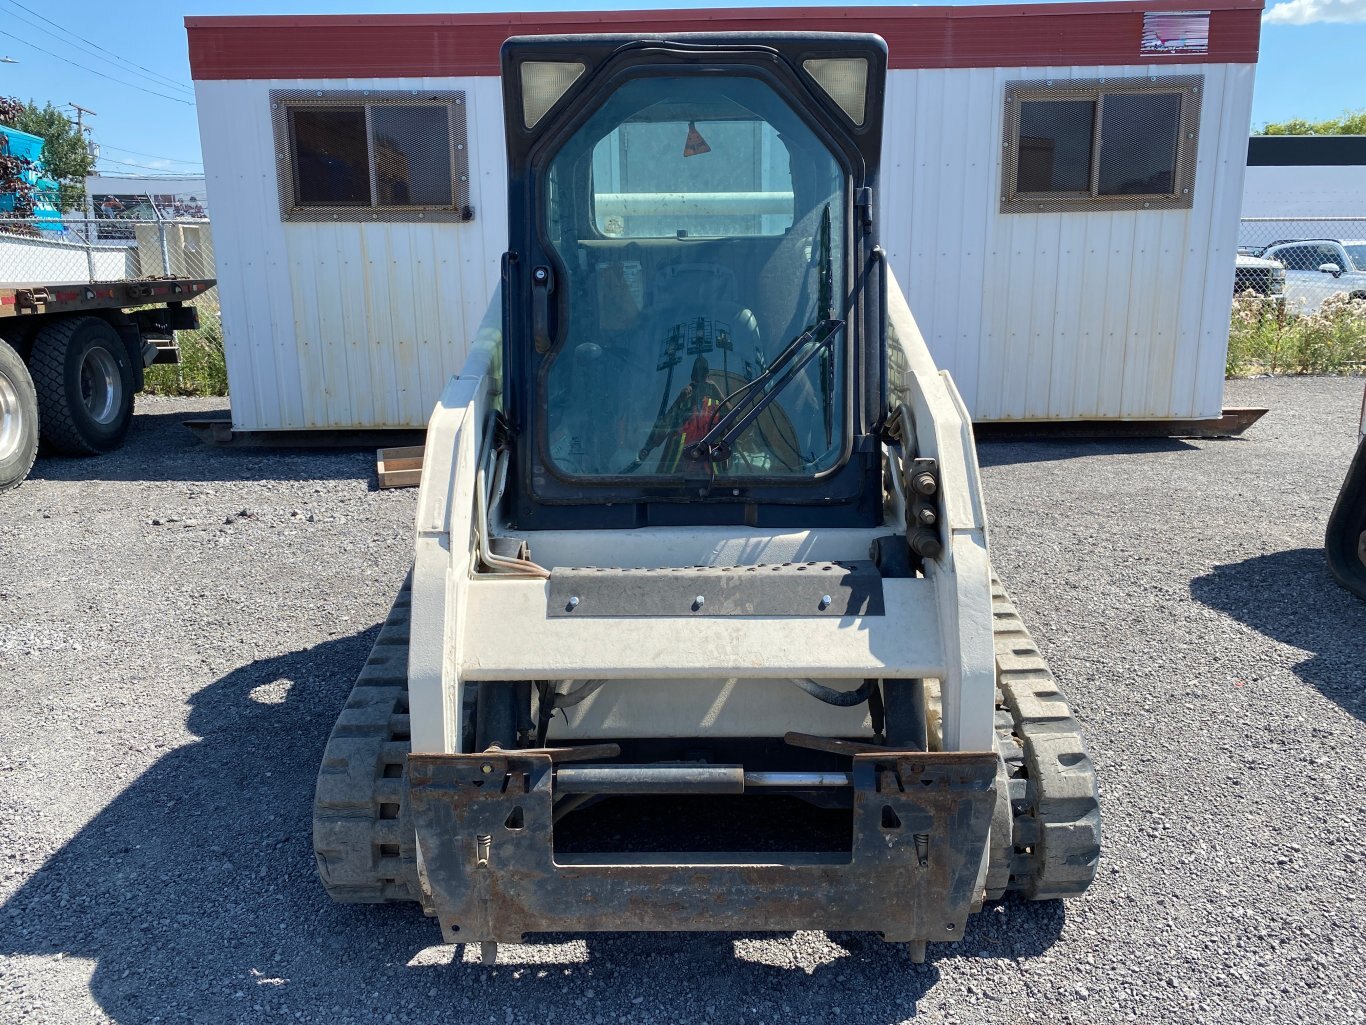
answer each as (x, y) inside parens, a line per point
(90, 145)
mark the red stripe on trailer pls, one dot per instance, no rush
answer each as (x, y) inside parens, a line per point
(421, 45)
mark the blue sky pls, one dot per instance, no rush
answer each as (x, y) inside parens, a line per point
(1311, 57)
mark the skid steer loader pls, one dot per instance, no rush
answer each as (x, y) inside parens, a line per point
(702, 630)
(1345, 540)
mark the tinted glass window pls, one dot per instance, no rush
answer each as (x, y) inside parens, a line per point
(331, 158)
(412, 155)
(1055, 146)
(1138, 134)
(744, 209)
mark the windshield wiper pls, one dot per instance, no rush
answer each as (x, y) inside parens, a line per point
(752, 399)
(719, 441)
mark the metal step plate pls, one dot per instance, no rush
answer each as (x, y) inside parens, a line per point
(850, 588)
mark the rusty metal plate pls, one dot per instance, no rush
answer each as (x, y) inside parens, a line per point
(849, 588)
(484, 833)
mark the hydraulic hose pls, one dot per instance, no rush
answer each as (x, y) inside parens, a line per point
(839, 698)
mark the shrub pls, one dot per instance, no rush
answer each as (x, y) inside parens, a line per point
(1264, 339)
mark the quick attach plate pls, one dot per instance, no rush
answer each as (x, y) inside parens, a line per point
(485, 824)
(852, 588)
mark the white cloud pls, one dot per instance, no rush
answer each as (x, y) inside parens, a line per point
(1306, 12)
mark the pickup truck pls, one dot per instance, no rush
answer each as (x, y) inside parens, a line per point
(1317, 268)
(1254, 274)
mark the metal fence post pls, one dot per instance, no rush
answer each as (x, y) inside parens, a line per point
(89, 255)
(166, 271)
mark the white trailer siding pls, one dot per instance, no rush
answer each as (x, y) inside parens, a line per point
(1075, 315)
(1072, 315)
(338, 325)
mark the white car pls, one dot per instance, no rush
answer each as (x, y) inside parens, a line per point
(1317, 268)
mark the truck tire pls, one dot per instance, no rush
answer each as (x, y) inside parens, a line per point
(18, 419)
(85, 385)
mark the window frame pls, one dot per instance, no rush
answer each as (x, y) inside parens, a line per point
(1190, 87)
(283, 103)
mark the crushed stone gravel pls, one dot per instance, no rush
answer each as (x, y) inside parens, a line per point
(179, 626)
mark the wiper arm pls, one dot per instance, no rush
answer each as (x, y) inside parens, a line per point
(719, 441)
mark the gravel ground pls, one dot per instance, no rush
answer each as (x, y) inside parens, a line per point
(179, 626)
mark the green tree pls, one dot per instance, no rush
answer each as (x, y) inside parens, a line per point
(1352, 122)
(66, 157)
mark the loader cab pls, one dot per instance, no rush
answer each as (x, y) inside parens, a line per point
(692, 324)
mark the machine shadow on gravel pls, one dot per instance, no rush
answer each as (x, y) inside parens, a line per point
(1292, 598)
(195, 895)
(159, 448)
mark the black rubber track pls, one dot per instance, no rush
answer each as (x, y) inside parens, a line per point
(362, 837)
(1055, 841)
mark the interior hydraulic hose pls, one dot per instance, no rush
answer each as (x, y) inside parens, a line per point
(840, 698)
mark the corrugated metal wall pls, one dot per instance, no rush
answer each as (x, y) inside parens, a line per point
(1037, 316)
(343, 324)
(1061, 315)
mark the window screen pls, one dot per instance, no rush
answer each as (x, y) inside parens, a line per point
(371, 156)
(1055, 145)
(1139, 135)
(1115, 144)
(331, 157)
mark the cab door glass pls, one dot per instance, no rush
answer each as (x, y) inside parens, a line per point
(694, 218)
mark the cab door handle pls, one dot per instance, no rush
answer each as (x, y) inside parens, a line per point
(542, 284)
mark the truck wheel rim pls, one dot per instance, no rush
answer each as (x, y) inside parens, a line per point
(11, 419)
(101, 386)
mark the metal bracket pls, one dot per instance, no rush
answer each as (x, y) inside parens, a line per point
(485, 823)
(852, 588)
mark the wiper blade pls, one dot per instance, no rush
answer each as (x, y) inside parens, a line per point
(719, 442)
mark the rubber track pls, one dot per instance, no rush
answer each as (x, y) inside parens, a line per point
(1055, 841)
(362, 838)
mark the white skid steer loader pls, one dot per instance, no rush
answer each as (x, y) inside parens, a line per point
(701, 541)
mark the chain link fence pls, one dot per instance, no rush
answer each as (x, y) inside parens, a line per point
(1299, 301)
(61, 251)
(1320, 258)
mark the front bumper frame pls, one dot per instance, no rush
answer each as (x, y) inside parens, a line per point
(489, 873)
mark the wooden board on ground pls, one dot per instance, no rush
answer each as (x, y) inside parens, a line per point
(399, 467)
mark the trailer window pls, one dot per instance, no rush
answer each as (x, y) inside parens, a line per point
(1117, 144)
(371, 156)
(732, 178)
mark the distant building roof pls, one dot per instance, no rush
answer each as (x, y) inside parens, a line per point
(1306, 151)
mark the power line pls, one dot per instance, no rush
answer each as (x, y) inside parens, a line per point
(162, 171)
(154, 156)
(74, 64)
(157, 78)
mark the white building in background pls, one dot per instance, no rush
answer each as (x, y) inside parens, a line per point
(1294, 182)
(145, 197)
(1055, 278)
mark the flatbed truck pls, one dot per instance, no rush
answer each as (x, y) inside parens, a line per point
(72, 357)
